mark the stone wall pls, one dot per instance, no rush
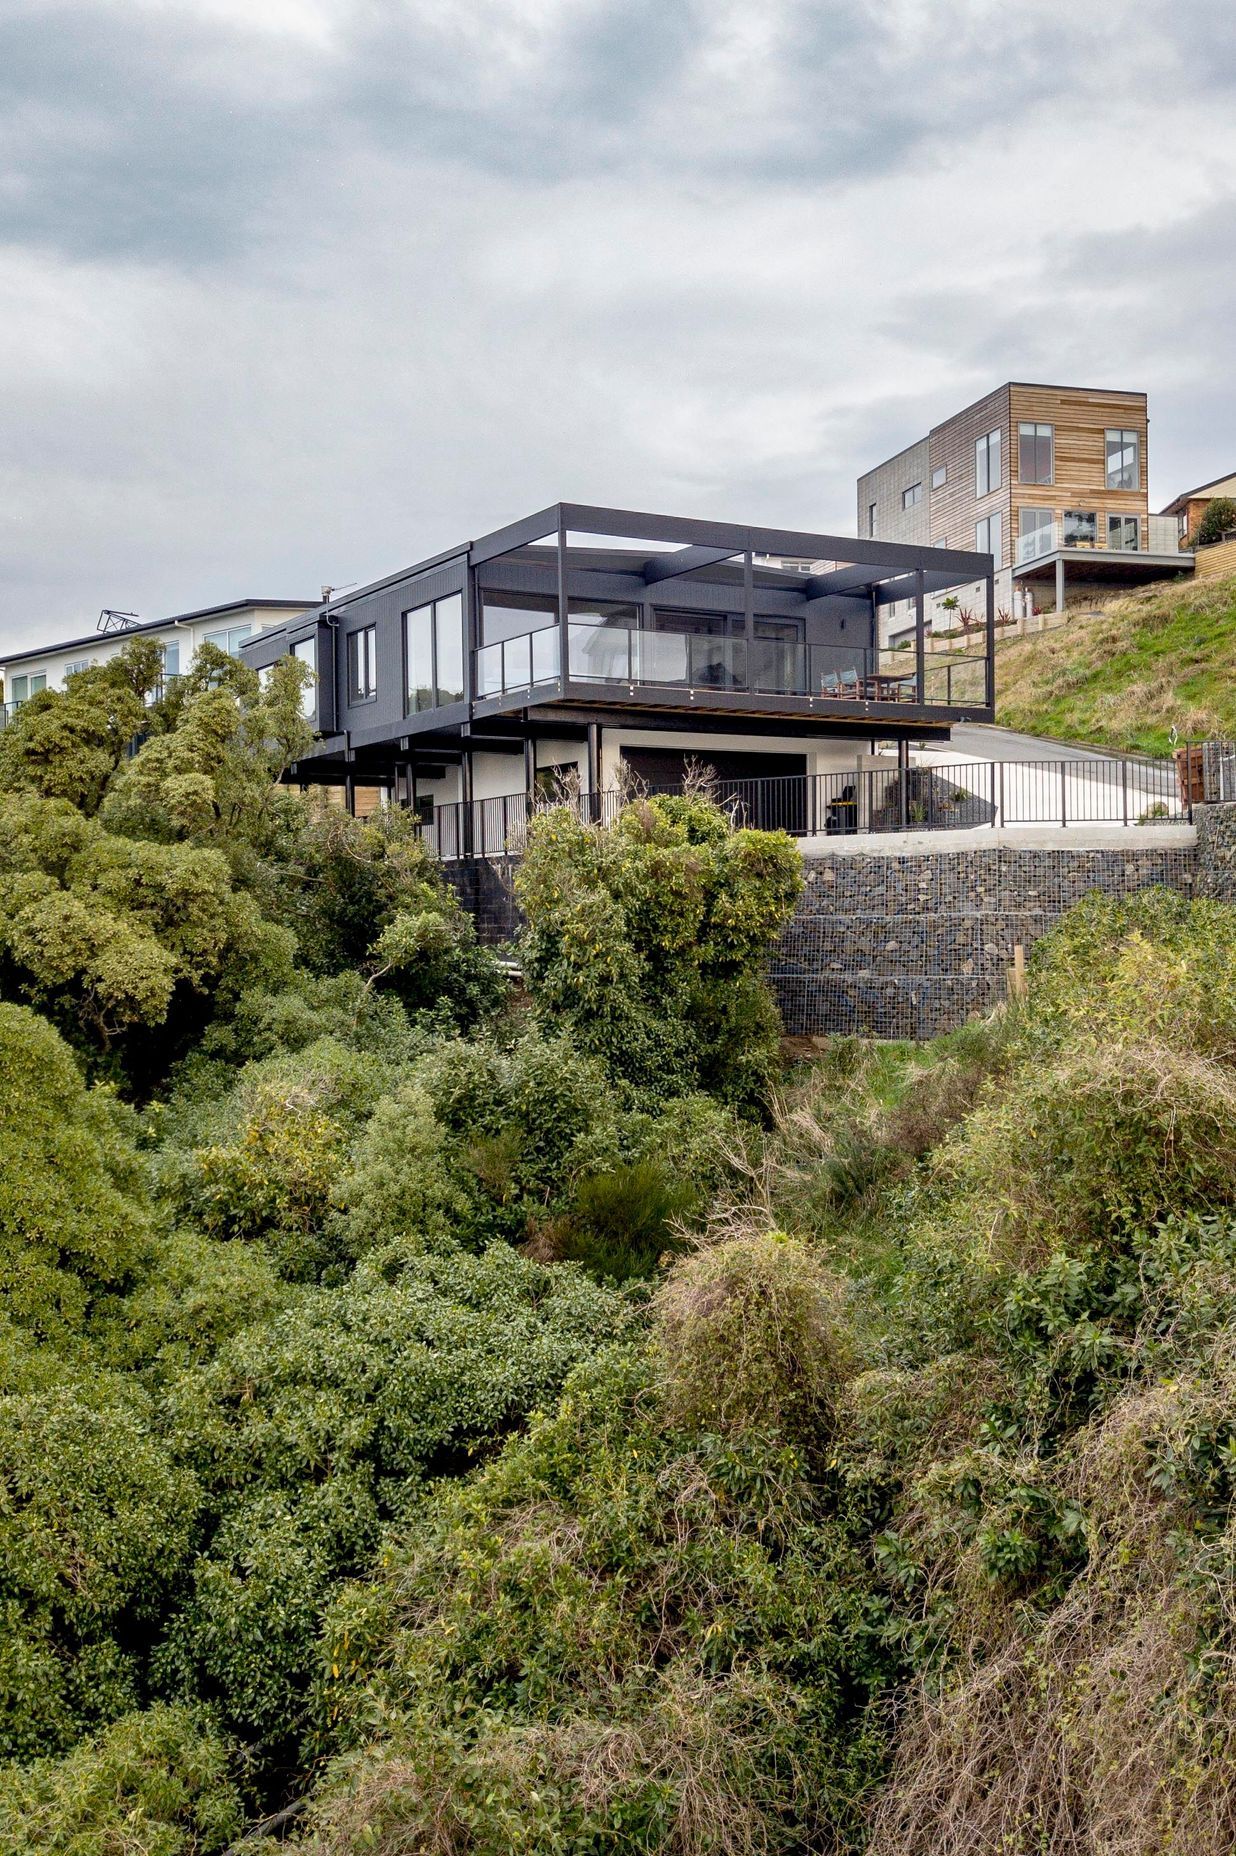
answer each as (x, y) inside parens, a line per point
(1216, 852)
(886, 945)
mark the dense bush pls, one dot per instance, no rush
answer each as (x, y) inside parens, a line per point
(616, 1636)
(894, 1511)
(152, 1784)
(73, 1217)
(1218, 519)
(645, 937)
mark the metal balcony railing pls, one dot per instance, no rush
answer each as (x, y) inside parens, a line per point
(697, 661)
(949, 797)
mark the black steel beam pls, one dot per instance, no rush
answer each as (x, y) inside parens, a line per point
(685, 561)
(516, 535)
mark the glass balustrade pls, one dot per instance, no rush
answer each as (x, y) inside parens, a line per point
(702, 661)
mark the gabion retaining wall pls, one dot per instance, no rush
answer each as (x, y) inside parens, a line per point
(892, 946)
(884, 945)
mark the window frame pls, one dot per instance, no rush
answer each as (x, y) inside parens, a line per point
(1085, 515)
(871, 521)
(1125, 437)
(939, 476)
(990, 446)
(981, 546)
(1034, 430)
(912, 495)
(240, 633)
(305, 651)
(1118, 518)
(358, 693)
(434, 687)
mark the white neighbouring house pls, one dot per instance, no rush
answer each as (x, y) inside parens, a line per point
(44, 667)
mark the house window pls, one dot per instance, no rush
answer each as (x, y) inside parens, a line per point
(306, 653)
(987, 464)
(941, 543)
(1123, 462)
(1081, 528)
(939, 477)
(987, 536)
(363, 664)
(171, 659)
(23, 687)
(911, 496)
(871, 520)
(1123, 532)
(230, 639)
(1035, 453)
(79, 663)
(434, 653)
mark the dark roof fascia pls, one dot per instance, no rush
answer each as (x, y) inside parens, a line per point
(156, 625)
(1186, 496)
(333, 606)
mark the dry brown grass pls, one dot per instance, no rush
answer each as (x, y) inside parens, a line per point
(452, 1802)
(1099, 1730)
(752, 1335)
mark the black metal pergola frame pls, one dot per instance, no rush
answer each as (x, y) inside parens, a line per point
(879, 572)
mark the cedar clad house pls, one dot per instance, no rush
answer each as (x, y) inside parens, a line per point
(1051, 481)
(586, 643)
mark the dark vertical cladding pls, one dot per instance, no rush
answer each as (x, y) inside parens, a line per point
(582, 617)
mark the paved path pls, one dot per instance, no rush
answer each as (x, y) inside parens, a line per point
(980, 741)
(1070, 785)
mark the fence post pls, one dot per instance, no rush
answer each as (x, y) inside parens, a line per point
(1064, 802)
(1124, 792)
(996, 807)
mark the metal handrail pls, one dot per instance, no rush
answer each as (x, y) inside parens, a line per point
(953, 796)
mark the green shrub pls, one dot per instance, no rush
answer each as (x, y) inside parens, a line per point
(95, 1524)
(1218, 518)
(645, 937)
(752, 1335)
(74, 1222)
(1094, 1146)
(399, 1183)
(622, 1222)
(369, 896)
(615, 1636)
(151, 1784)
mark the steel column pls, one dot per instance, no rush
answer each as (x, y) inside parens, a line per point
(920, 641)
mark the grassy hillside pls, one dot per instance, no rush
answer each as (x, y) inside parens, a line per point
(1154, 661)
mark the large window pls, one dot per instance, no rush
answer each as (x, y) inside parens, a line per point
(171, 658)
(1080, 528)
(434, 653)
(513, 615)
(912, 495)
(363, 664)
(987, 536)
(1123, 532)
(230, 638)
(1123, 463)
(987, 464)
(1035, 453)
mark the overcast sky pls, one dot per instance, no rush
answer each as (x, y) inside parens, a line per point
(295, 291)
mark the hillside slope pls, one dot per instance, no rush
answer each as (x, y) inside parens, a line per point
(1151, 662)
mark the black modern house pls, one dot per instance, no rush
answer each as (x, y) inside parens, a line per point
(593, 644)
